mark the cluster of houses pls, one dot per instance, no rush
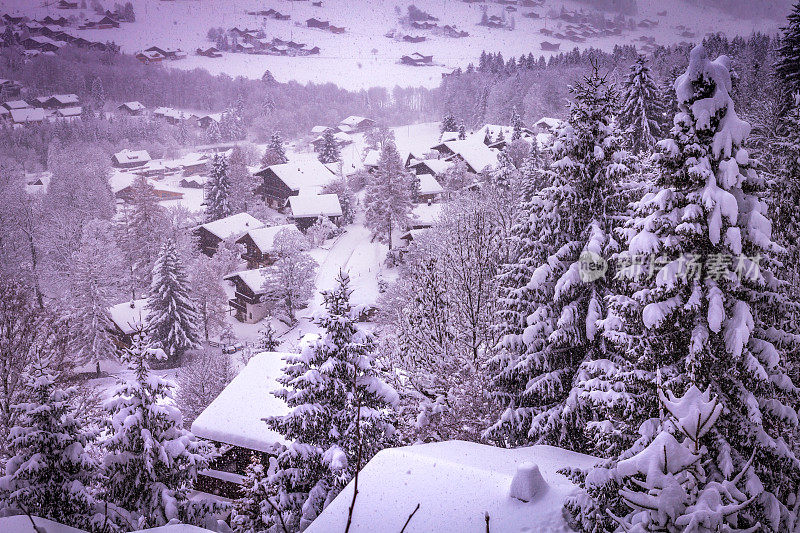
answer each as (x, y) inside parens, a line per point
(341, 132)
(417, 60)
(157, 54)
(323, 25)
(51, 34)
(243, 40)
(52, 108)
(270, 14)
(584, 25)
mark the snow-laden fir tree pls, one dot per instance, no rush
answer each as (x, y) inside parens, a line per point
(786, 192)
(388, 195)
(462, 131)
(329, 151)
(151, 461)
(213, 133)
(670, 485)
(267, 340)
(340, 412)
(448, 123)
(642, 110)
(710, 305)
(140, 234)
(541, 370)
(172, 321)
(787, 66)
(49, 471)
(516, 124)
(218, 190)
(275, 154)
(255, 510)
(94, 274)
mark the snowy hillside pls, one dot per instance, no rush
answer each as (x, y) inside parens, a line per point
(363, 56)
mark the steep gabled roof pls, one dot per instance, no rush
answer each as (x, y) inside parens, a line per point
(232, 226)
(301, 173)
(314, 205)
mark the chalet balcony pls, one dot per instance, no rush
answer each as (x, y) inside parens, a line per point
(238, 305)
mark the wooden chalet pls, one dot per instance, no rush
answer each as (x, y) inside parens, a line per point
(60, 101)
(67, 4)
(168, 53)
(149, 57)
(547, 46)
(259, 244)
(128, 319)
(133, 108)
(429, 188)
(211, 234)
(476, 155)
(250, 303)
(235, 422)
(57, 21)
(9, 89)
(210, 51)
(306, 209)
(280, 182)
(316, 23)
(130, 158)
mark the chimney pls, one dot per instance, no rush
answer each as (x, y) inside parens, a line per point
(527, 482)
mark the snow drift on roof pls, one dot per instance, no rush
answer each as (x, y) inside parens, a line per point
(454, 482)
(254, 279)
(303, 173)
(232, 226)
(429, 185)
(314, 205)
(236, 415)
(264, 237)
(129, 316)
(132, 156)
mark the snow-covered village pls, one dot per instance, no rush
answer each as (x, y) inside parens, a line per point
(415, 266)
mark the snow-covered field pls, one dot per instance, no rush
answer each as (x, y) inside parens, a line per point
(363, 57)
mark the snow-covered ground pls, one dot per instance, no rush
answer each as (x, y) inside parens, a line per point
(363, 57)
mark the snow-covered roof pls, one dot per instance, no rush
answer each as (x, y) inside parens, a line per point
(192, 158)
(354, 120)
(216, 117)
(16, 104)
(132, 156)
(129, 316)
(320, 129)
(455, 483)
(548, 122)
(303, 173)
(66, 99)
(314, 205)
(429, 185)
(264, 237)
(27, 115)
(22, 524)
(237, 415)
(476, 154)
(75, 111)
(438, 166)
(232, 226)
(424, 214)
(371, 158)
(133, 106)
(254, 279)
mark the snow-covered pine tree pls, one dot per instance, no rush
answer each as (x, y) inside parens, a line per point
(213, 133)
(266, 337)
(540, 370)
(711, 303)
(275, 154)
(388, 194)
(218, 190)
(172, 321)
(642, 111)
(340, 412)
(448, 123)
(670, 485)
(49, 471)
(140, 233)
(151, 461)
(94, 275)
(462, 131)
(786, 192)
(516, 124)
(329, 151)
(255, 510)
(787, 66)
